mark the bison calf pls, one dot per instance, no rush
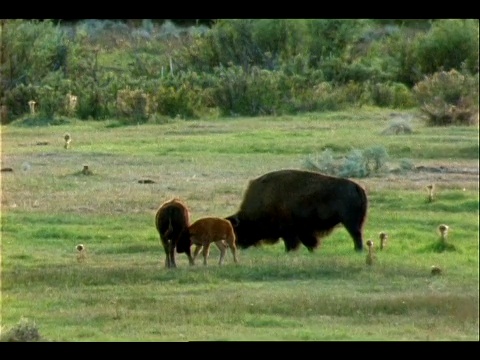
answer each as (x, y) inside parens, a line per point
(204, 232)
(171, 220)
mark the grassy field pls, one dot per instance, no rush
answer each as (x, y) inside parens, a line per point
(122, 292)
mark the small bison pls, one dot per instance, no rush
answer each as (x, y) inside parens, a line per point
(300, 207)
(204, 232)
(171, 219)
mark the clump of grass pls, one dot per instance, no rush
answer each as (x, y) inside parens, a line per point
(406, 164)
(435, 270)
(441, 246)
(85, 171)
(398, 127)
(24, 331)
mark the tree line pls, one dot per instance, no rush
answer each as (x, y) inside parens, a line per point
(152, 70)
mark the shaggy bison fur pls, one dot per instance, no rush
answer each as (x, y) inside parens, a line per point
(300, 207)
(171, 219)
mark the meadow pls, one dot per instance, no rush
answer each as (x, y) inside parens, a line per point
(122, 292)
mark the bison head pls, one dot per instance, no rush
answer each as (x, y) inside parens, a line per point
(248, 232)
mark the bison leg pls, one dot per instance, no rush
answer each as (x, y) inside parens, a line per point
(292, 242)
(171, 255)
(233, 248)
(166, 249)
(190, 258)
(206, 249)
(234, 253)
(223, 249)
(355, 231)
(309, 240)
(169, 260)
(195, 253)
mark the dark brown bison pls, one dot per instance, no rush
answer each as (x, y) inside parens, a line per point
(205, 231)
(299, 207)
(171, 219)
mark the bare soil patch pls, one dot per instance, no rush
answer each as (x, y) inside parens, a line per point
(455, 175)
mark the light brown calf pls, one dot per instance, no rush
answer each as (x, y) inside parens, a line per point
(208, 230)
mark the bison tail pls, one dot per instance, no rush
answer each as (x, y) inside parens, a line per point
(363, 199)
(170, 229)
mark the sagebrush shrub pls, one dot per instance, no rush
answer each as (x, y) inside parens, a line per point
(24, 331)
(398, 127)
(448, 98)
(357, 163)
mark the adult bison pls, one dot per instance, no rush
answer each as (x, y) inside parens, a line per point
(299, 207)
(171, 220)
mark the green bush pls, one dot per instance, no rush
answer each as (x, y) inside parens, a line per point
(397, 55)
(326, 97)
(450, 44)
(17, 100)
(245, 67)
(177, 102)
(393, 95)
(448, 98)
(52, 95)
(31, 50)
(132, 105)
(403, 97)
(256, 92)
(351, 94)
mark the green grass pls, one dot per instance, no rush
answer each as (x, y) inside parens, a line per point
(122, 292)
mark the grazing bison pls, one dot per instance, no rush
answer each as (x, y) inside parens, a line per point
(300, 207)
(204, 232)
(171, 219)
